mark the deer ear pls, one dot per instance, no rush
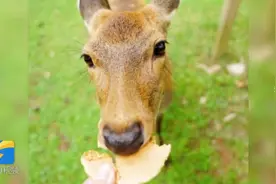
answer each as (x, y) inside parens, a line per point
(88, 8)
(166, 7)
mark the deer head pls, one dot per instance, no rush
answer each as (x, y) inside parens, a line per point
(127, 60)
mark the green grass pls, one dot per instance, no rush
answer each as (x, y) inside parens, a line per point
(64, 114)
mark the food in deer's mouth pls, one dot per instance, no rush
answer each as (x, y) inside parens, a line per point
(138, 168)
(92, 161)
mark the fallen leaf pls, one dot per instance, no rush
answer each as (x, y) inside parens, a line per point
(203, 100)
(184, 101)
(241, 84)
(210, 69)
(229, 117)
(217, 126)
(236, 69)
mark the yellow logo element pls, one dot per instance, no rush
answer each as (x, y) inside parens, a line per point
(6, 144)
(7, 152)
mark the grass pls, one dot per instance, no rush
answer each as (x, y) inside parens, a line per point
(64, 114)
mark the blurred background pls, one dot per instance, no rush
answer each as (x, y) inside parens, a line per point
(206, 123)
(14, 86)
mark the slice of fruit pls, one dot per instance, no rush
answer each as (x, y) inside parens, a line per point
(138, 168)
(92, 161)
(144, 165)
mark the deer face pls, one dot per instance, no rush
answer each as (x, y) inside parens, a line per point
(127, 60)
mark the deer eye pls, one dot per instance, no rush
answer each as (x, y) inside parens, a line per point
(88, 60)
(159, 49)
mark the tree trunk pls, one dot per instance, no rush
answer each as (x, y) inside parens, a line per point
(228, 16)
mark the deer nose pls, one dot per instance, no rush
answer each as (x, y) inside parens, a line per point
(124, 143)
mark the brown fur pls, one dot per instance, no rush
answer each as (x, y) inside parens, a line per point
(132, 85)
(114, 31)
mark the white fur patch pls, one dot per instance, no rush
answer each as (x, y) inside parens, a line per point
(86, 25)
(78, 4)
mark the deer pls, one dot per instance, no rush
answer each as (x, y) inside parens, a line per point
(127, 61)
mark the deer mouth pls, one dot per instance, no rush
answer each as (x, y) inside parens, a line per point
(125, 150)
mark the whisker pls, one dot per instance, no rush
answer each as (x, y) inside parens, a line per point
(81, 76)
(170, 75)
(72, 50)
(82, 71)
(77, 41)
